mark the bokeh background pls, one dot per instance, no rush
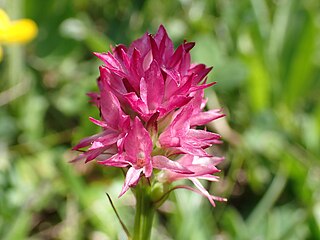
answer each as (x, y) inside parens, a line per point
(266, 58)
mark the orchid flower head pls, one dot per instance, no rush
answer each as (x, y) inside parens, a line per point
(152, 106)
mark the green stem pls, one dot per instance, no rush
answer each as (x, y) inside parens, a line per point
(145, 210)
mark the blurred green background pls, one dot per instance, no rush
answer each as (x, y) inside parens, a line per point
(266, 58)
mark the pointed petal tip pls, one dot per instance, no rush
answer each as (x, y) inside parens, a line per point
(98, 122)
(162, 27)
(77, 159)
(188, 46)
(74, 160)
(123, 191)
(218, 160)
(220, 199)
(97, 54)
(75, 148)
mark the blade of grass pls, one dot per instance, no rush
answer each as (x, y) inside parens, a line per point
(262, 15)
(125, 229)
(301, 67)
(268, 199)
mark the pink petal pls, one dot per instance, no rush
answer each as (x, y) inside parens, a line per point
(147, 60)
(163, 163)
(106, 140)
(116, 160)
(142, 44)
(129, 87)
(110, 81)
(185, 88)
(98, 122)
(154, 48)
(131, 180)
(202, 118)
(202, 167)
(202, 135)
(137, 104)
(92, 154)
(138, 143)
(188, 46)
(78, 158)
(109, 60)
(152, 125)
(155, 86)
(110, 109)
(202, 86)
(180, 53)
(95, 98)
(165, 44)
(209, 177)
(179, 127)
(148, 168)
(117, 51)
(185, 62)
(210, 197)
(125, 58)
(186, 160)
(136, 68)
(207, 161)
(174, 74)
(174, 102)
(203, 171)
(87, 141)
(200, 73)
(202, 190)
(193, 150)
(143, 91)
(172, 89)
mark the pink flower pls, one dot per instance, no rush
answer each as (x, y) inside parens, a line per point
(151, 101)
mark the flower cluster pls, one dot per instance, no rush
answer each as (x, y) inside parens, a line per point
(151, 102)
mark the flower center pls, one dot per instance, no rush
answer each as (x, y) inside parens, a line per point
(175, 141)
(141, 159)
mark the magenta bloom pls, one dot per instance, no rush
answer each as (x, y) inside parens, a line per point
(151, 101)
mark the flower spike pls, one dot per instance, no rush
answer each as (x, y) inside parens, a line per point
(151, 103)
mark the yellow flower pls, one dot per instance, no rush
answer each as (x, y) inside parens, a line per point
(18, 31)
